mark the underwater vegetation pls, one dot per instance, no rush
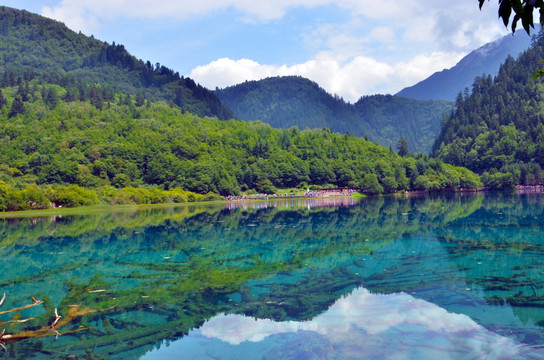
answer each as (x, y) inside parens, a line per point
(127, 282)
(41, 326)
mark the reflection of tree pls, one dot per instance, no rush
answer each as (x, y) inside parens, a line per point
(504, 239)
(25, 230)
(164, 272)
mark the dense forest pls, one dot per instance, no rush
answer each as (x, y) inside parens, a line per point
(37, 44)
(83, 122)
(498, 128)
(289, 101)
(90, 136)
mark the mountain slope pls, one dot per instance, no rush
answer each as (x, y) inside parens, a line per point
(34, 44)
(498, 129)
(295, 101)
(49, 137)
(487, 59)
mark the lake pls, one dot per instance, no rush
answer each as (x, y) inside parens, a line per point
(452, 277)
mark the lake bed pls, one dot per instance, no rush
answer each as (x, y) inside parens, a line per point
(453, 276)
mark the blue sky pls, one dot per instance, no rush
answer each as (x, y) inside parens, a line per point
(349, 47)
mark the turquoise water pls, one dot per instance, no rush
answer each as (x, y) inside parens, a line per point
(443, 277)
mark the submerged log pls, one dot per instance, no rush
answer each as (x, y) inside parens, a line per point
(74, 311)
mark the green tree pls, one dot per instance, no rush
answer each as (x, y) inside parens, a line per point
(23, 89)
(266, 187)
(344, 175)
(17, 107)
(390, 185)
(140, 100)
(498, 180)
(402, 147)
(423, 183)
(3, 100)
(320, 173)
(96, 97)
(5, 191)
(371, 185)
(285, 140)
(120, 181)
(72, 94)
(52, 98)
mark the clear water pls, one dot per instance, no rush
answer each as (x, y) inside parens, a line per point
(443, 277)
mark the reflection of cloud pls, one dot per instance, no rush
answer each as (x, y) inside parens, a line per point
(379, 317)
(373, 313)
(236, 329)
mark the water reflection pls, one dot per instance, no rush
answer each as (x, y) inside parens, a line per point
(162, 273)
(299, 203)
(359, 325)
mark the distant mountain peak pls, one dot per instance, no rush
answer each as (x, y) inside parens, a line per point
(487, 59)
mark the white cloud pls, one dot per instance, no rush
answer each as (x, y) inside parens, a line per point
(383, 46)
(82, 14)
(365, 321)
(383, 34)
(74, 16)
(436, 21)
(417, 17)
(352, 79)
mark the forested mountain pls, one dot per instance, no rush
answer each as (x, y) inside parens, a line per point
(447, 83)
(34, 44)
(295, 101)
(83, 122)
(498, 129)
(50, 136)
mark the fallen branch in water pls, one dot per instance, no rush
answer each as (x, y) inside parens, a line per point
(34, 303)
(74, 311)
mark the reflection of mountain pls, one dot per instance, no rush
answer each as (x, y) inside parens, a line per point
(358, 325)
(168, 274)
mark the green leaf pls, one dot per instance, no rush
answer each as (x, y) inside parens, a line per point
(505, 10)
(515, 23)
(538, 73)
(527, 19)
(516, 5)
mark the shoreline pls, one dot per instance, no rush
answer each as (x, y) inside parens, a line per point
(98, 208)
(54, 212)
